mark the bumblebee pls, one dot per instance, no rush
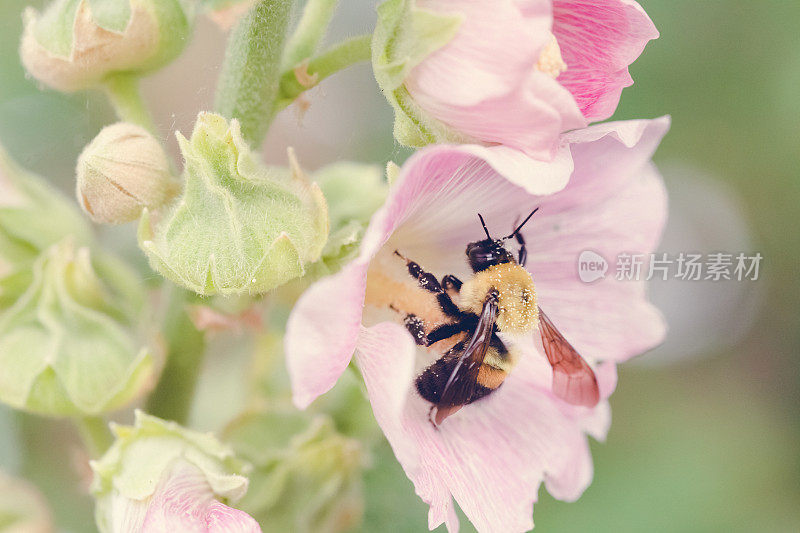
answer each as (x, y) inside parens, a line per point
(499, 298)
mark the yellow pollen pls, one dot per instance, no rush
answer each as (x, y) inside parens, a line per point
(550, 61)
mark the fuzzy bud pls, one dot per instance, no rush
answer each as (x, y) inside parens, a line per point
(238, 227)
(122, 171)
(33, 217)
(68, 345)
(159, 476)
(354, 191)
(306, 477)
(76, 44)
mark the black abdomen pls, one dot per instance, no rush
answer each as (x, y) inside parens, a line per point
(430, 384)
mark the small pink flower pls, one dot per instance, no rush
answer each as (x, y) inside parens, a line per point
(520, 72)
(492, 454)
(184, 501)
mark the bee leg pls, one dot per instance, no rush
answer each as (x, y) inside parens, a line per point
(429, 282)
(416, 326)
(445, 331)
(432, 417)
(451, 282)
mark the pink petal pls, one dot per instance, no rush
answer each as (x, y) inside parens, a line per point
(492, 51)
(484, 83)
(529, 117)
(491, 456)
(184, 502)
(607, 319)
(322, 330)
(598, 40)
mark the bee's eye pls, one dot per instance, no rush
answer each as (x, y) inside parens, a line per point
(481, 257)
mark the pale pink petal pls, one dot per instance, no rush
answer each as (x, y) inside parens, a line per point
(484, 83)
(598, 40)
(492, 51)
(491, 456)
(529, 117)
(184, 501)
(606, 319)
(322, 330)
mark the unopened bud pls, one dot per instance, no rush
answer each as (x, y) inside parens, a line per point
(306, 478)
(121, 172)
(75, 45)
(70, 344)
(159, 476)
(238, 227)
(33, 217)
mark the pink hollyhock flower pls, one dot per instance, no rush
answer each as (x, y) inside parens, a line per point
(511, 72)
(184, 501)
(492, 455)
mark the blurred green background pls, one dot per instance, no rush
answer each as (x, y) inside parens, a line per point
(706, 431)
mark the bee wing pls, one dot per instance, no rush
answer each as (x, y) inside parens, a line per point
(573, 379)
(461, 384)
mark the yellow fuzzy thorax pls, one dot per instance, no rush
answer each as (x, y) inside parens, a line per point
(517, 309)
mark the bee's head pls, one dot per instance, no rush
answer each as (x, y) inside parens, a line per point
(488, 252)
(483, 254)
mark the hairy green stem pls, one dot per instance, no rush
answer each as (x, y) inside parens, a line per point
(96, 435)
(123, 92)
(309, 32)
(345, 54)
(250, 76)
(173, 396)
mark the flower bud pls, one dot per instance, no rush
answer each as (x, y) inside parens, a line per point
(306, 477)
(68, 344)
(354, 191)
(238, 227)
(33, 217)
(22, 507)
(159, 476)
(122, 171)
(76, 44)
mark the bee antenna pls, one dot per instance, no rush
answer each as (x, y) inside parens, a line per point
(484, 227)
(520, 226)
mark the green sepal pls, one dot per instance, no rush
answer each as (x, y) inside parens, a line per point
(143, 453)
(354, 192)
(33, 217)
(306, 476)
(404, 36)
(239, 227)
(69, 345)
